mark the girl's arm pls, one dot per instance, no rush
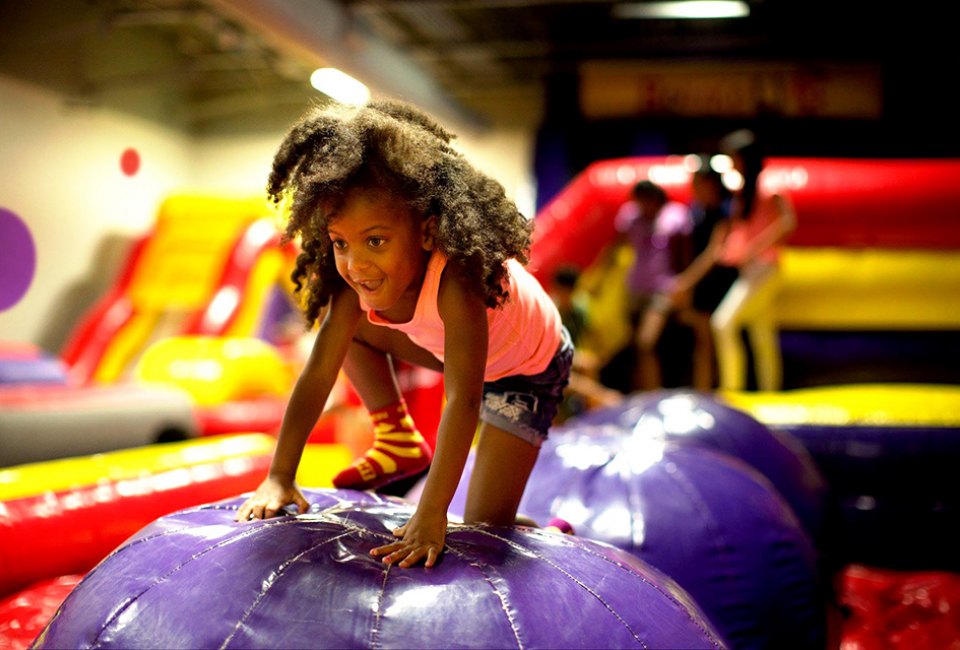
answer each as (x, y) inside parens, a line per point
(465, 356)
(306, 403)
(689, 277)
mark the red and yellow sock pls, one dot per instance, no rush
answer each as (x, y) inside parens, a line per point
(398, 451)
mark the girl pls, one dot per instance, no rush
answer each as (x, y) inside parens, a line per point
(411, 253)
(750, 244)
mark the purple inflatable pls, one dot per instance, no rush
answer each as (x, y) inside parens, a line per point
(197, 579)
(688, 417)
(706, 519)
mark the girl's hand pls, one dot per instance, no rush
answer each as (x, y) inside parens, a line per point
(422, 538)
(269, 498)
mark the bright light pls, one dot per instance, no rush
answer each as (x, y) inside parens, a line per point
(692, 162)
(339, 86)
(733, 180)
(721, 163)
(683, 9)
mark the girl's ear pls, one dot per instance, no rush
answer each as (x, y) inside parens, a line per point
(428, 232)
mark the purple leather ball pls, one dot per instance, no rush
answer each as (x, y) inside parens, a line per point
(706, 519)
(197, 579)
(689, 417)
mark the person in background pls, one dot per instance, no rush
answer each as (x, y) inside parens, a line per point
(584, 391)
(760, 223)
(659, 231)
(705, 279)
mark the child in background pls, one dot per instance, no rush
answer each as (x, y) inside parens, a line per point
(706, 280)
(659, 232)
(744, 255)
(760, 223)
(411, 253)
(584, 391)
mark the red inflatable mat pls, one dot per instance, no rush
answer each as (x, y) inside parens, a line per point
(24, 614)
(900, 610)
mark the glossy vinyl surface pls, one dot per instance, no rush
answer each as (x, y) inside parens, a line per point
(197, 579)
(689, 417)
(704, 518)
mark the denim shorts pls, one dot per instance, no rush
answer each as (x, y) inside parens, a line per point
(525, 405)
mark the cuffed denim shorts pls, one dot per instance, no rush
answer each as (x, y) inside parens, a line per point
(525, 405)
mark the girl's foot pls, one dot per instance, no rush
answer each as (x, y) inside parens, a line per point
(398, 451)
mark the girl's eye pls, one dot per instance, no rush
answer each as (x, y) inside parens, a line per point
(376, 242)
(338, 244)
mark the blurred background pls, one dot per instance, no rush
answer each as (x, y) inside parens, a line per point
(107, 106)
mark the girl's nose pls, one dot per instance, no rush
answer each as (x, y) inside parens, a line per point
(357, 261)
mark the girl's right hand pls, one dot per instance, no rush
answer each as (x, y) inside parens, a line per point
(271, 496)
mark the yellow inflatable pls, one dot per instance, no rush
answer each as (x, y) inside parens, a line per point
(888, 405)
(216, 370)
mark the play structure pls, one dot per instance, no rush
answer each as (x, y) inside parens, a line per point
(872, 268)
(61, 517)
(209, 267)
(844, 203)
(252, 580)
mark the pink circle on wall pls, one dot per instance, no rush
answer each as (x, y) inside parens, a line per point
(130, 161)
(18, 259)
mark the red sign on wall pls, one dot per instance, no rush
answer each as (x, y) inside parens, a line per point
(610, 90)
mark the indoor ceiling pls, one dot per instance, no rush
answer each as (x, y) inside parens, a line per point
(247, 62)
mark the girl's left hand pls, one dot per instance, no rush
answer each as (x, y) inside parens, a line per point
(422, 539)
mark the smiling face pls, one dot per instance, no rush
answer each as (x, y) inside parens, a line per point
(381, 248)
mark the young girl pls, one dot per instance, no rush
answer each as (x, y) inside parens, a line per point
(759, 225)
(410, 253)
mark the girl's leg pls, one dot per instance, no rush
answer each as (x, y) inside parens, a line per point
(725, 323)
(745, 301)
(765, 341)
(503, 463)
(703, 354)
(649, 331)
(764, 337)
(370, 369)
(398, 450)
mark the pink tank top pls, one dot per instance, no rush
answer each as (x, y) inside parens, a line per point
(524, 333)
(744, 231)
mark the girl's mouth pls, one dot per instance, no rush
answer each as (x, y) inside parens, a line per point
(369, 286)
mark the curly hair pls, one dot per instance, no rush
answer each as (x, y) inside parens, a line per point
(394, 148)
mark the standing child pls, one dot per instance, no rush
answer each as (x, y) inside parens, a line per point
(659, 231)
(760, 224)
(411, 253)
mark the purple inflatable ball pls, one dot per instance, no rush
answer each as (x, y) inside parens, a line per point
(197, 579)
(686, 416)
(704, 518)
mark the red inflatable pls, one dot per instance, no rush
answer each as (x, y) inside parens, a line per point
(52, 532)
(881, 203)
(899, 610)
(24, 614)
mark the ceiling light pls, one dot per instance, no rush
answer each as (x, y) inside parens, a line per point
(683, 9)
(340, 86)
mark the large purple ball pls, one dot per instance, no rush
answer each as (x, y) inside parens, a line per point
(686, 416)
(706, 519)
(197, 579)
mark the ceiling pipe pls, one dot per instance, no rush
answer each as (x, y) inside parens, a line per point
(322, 33)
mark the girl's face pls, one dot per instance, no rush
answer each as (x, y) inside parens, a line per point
(381, 248)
